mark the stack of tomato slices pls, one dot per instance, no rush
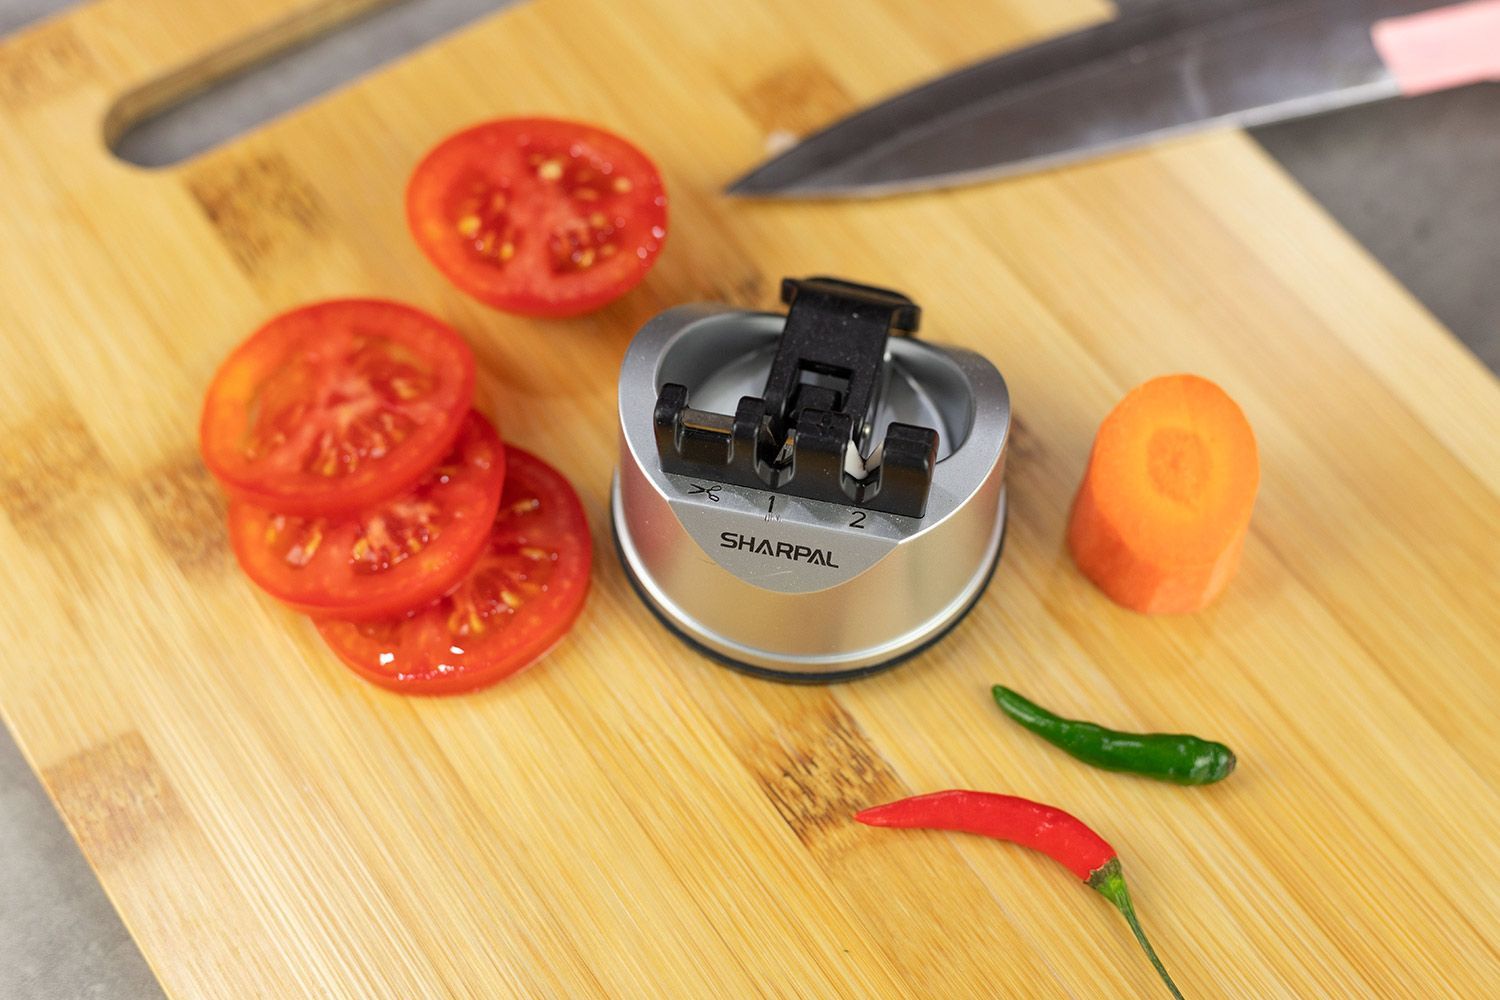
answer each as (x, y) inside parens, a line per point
(366, 492)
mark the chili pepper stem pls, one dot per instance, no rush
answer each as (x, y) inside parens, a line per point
(1109, 881)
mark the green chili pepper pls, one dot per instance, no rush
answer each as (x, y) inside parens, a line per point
(1179, 758)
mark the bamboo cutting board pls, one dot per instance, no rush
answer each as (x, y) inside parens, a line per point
(626, 819)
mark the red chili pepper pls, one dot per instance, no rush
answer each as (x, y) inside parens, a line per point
(1059, 835)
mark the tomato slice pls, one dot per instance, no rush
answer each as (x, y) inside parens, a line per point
(387, 559)
(336, 406)
(520, 598)
(538, 216)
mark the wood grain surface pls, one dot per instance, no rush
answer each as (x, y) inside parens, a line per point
(625, 819)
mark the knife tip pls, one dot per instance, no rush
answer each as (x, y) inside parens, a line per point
(748, 186)
(752, 187)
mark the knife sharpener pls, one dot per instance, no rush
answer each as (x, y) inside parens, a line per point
(808, 497)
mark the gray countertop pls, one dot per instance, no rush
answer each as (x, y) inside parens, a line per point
(1418, 183)
(1414, 181)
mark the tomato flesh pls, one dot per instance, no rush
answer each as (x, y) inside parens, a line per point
(538, 216)
(387, 559)
(520, 598)
(335, 406)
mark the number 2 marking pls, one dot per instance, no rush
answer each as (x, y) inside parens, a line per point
(859, 520)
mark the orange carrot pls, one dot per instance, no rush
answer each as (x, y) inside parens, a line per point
(1161, 516)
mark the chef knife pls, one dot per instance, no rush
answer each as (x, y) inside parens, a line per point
(1158, 70)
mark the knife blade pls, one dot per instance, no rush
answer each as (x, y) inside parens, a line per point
(1156, 71)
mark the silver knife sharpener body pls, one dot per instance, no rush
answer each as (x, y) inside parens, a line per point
(770, 561)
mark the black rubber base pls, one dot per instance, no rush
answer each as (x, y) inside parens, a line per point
(796, 677)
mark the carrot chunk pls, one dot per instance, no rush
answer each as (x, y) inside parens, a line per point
(1161, 517)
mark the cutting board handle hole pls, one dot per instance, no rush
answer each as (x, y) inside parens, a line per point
(236, 89)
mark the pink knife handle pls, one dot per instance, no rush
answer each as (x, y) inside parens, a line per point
(1437, 49)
